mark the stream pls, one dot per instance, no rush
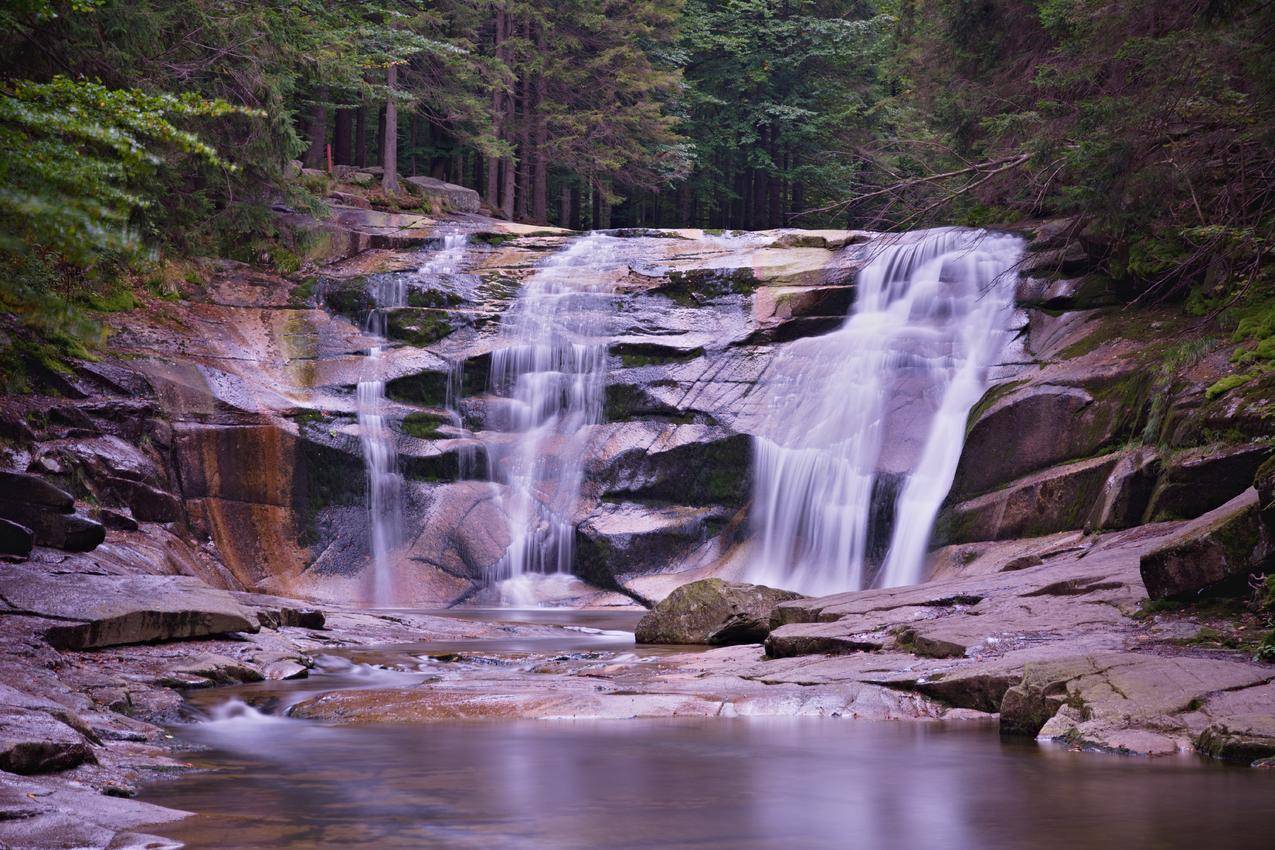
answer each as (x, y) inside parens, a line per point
(268, 781)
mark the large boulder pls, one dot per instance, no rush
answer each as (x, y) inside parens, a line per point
(1059, 499)
(713, 611)
(1199, 480)
(15, 538)
(1225, 545)
(47, 511)
(681, 464)
(631, 537)
(452, 197)
(1026, 420)
(95, 610)
(32, 741)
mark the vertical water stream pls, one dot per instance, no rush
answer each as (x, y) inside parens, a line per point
(866, 424)
(549, 377)
(380, 457)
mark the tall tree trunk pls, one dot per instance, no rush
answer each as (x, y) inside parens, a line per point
(776, 215)
(411, 144)
(524, 139)
(360, 137)
(497, 104)
(316, 131)
(540, 168)
(798, 192)
(574, 219)
(597, 207)
(564, 210)
(380, 135)
(342, 144)
(389, 149)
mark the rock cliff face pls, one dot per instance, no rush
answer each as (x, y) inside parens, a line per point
(221, 431)
(215, 450)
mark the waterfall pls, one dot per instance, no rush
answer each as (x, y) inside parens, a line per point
(549, 378)
(380, 456)
(864, 426)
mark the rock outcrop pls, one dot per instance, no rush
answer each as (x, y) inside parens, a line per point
(713, 611)
(95, 610)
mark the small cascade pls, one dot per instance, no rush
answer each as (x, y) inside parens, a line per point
(380, 456)
(865, 425)
(550, 377)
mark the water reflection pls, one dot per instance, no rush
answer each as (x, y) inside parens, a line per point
(703, 784)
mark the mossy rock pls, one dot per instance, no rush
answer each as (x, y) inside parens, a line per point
(428, 389)
(424, 424)
(699, 286)
(713, 611)
(349, 298)
(419, 326)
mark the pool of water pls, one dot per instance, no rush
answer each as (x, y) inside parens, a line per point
(274, 782)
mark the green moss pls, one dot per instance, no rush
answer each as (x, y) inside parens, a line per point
(418, 326)
(1266, 648)
(1225, 385)
(1150, 607)
(989, 398)
(435, 298)
(428, 389)
(302, 294)
(423, 424)
(654, 357)
(493, 239)
(696, 286)
(117, 299)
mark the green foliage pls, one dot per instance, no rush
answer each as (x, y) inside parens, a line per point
(78, 159)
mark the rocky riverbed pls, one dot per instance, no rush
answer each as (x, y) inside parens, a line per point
(188, 512)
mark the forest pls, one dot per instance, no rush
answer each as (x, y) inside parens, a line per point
(135, 130)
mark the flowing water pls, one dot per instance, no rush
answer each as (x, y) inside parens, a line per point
(549, 377)
(384, 482)
(867, 423)
(273, 783)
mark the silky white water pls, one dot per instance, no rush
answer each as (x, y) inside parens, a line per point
(549, 377)
(865, 425)
(380, 457)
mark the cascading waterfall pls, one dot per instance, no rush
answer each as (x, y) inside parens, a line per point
(380, 457)
(865, 425)
(550, 379)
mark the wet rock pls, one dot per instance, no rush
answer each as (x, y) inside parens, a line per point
(38, 813)
(32, 741)
(1127, 702)
(1065, 293)
(108, 610)
(33, 490)
(1246, 738)
(1058, 499)
(713, 611)
(630, 538)
(148, 504)
(1199, 480)
(464, 532)
(1224, 545)
(679, 464)
(117, 520)
(1126, 493)
(15, 539)
(214, 669)
(52, 527)
(1028, 419)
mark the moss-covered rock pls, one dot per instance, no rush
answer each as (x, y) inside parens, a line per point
(1224, 546)
(713, 611)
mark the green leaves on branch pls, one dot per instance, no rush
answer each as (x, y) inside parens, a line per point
(78, 159)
